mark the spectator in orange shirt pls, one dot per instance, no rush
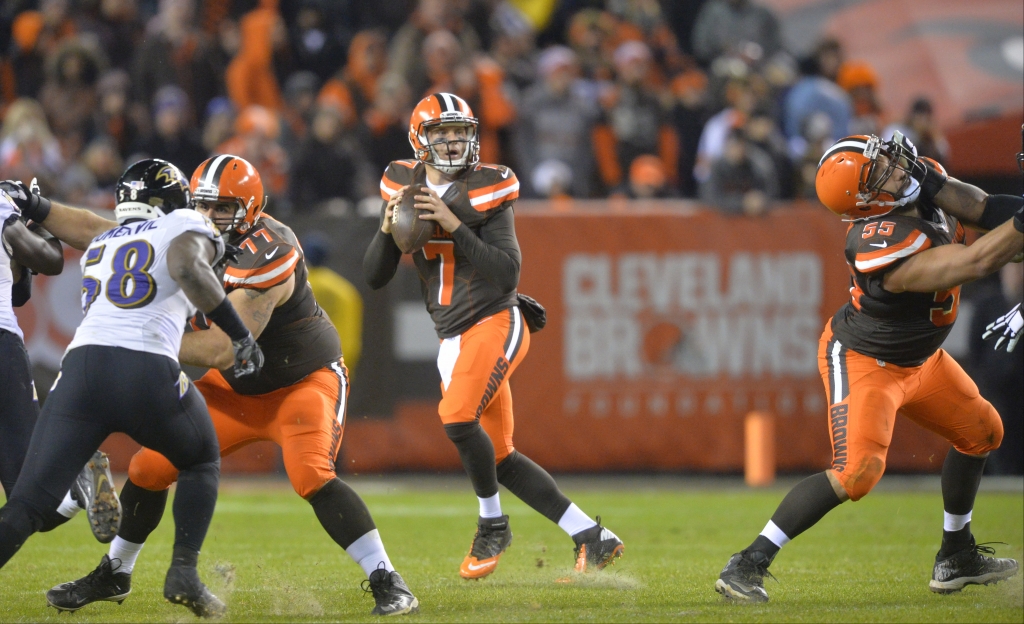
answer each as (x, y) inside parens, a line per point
(354, 88)
(860, 80)
(250, 75)
(257, 131)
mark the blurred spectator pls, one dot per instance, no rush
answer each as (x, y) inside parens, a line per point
(815, 92)
(175, 52)
(998, 373)
(552, 179)
(405, 55)
(257, 131)
(633, 120)
(514, 45)
(27, 59)
(647, 179)
(354, 87)
(28, 148)
(740, 102)
(173, 140)
(733, 26)
(762, 132)
(220, 123)
(689, 114)
(337, 296)
(69, 94)
(58, 26)
(860, 80)
(313, 44)
(922, 130)
(815, 137)
(115, 26)
(325, 165)
(556, 122)
(250, 75)
(591, 34)
(742, 181)
(77, 186)
(103, 161)
(299, 102)
(115, 116)
(387, 123)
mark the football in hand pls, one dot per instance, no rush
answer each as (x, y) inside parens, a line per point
(409, 231)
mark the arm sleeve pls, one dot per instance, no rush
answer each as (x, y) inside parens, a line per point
(495, 252)
(381, 259)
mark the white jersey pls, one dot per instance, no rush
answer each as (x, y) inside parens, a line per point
(8, 214)
(128, 296)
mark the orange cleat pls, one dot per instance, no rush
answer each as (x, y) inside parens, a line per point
(492, 538)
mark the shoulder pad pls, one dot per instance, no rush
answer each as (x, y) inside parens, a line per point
(934, 164)
(880, 243)
(264, 262)
(398, 174)
(492, 186)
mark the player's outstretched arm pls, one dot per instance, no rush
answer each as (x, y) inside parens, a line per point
(75, 226)
(40, 254)
(975, 207)
(947, 266)
(212, 348)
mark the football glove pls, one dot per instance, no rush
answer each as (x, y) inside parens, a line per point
(248, 356)
(1010, 324)
(32, 205)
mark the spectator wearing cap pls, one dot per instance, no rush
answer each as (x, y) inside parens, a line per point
(690, 111)
(633, 121)
(256, 139)
(552, 179)
(326, 165)
(920, 127)
(298, 107)
(174, 139)
(555, 123)
(817, 92)
(743, 181)
(250, 75)
(647, 179)
(728, 26)
(405, 54)
(740, 102)
(175, 52)
(860, 80)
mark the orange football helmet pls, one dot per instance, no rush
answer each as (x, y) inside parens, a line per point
(444, 109)
(851, 176)
(232, 180)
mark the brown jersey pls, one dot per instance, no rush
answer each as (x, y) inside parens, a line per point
(901, 328)
(299, 338)
(456, 294)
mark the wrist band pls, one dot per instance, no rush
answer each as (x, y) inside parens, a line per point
(225, 316)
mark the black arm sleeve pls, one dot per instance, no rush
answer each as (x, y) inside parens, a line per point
(381, 260)
(999, 209)
(495, 252)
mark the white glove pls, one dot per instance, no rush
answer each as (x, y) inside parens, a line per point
(1010, 324)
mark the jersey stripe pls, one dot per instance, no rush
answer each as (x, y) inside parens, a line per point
(872, 261)
(515, 337)
(263, 277)
(493, 196)
(388, 188)
(839, 384)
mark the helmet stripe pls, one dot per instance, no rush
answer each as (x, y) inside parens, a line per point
(211, 177)
(446, 107)
(849, 145)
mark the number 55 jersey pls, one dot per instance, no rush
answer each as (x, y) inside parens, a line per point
(128, 296)
(905, 328)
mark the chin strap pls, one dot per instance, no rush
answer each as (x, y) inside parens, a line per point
(911, 195)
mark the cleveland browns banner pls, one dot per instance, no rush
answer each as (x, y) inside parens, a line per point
(667, 325)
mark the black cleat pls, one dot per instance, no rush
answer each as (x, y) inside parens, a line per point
(94, 492)
(493, 535)
(183, 587)
(596, 547)
(390, 593)
(103, 583)
(742, 579)
(970, 566)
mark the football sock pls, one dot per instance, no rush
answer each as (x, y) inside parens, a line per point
(68, 507)
(490, 507)
(477, 454)
(802, 508)
(574, 521)
(533, 485)
(126, 552)
(368, 551)
(961, 476)
(194, 501)
(342, 513)
(141, 512)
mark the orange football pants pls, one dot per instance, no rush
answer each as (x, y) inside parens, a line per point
(475, 368)
(306, 419)
(865, 394)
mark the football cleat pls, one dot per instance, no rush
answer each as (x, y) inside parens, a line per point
(493, 535)
(596, 547)
(390, 593)
(94, 492)
(103, 583)
(742, 579)
(182, 586)
(970, 566)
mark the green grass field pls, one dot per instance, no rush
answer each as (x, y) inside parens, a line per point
(267, 556)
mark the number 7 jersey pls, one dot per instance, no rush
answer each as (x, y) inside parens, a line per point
(128, 296)
(901, 328)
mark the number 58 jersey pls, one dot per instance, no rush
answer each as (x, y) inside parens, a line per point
(904, 328)
(128, 296)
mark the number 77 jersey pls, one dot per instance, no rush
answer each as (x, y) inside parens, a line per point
(900, 328)
(128, 297)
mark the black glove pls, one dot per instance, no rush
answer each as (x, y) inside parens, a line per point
(534, 314)
(230, 255)
(32, 205)
(248, 356)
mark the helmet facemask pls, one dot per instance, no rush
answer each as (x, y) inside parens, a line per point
(900, 154)
(228, 225)
(436, 153)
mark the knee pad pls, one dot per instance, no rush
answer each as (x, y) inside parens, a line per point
(989, 436)
(308, 481)
(861, 478)
(151, 471)
(457, 432)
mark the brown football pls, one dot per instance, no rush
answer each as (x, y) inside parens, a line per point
(409, 231)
